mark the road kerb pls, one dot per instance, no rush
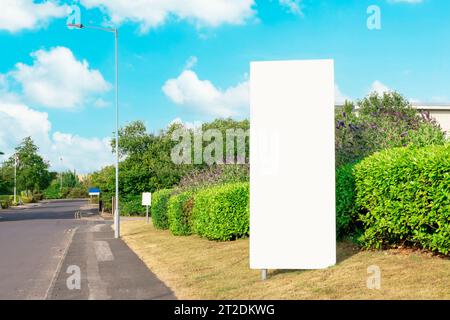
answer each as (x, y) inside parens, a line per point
(60, 263)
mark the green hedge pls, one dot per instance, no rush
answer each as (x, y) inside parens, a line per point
(159, 208)
(404, 198)
(222, 212)
(345, 200)
(179, 213)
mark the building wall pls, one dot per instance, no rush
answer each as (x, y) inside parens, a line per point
(443, 118)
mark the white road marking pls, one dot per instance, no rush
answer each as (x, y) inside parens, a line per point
(97, 287)
(103, 251)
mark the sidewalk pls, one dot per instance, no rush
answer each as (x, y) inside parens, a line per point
(108, 268)
(24, 206)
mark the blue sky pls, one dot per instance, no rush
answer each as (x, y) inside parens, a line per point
(189, 61)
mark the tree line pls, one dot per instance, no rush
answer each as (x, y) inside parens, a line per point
(34, 180)
(146, 164)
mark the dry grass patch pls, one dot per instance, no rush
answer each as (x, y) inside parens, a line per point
(196, 268)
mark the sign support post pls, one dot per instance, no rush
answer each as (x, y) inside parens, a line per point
(263, 274)
(147, 202)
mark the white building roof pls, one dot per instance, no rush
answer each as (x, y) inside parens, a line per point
(421, 106)
(432, 106)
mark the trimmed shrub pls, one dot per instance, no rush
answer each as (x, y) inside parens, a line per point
(404, 198)
(159, 208)
(345, 200)
(179, 213)
(222, 212)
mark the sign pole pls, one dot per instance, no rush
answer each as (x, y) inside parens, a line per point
(15, 179)
(147, 202)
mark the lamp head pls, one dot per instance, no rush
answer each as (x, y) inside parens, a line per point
(77, 26)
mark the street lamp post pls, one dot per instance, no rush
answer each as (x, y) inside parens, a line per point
(116, 38)
(15, 179)
(61, 176)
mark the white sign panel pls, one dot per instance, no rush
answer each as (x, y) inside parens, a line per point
(292, 197)
(146, 199)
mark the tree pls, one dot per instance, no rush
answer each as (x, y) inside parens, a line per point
(32, 170)
(70, 182)
(133, 139)
(6, 178)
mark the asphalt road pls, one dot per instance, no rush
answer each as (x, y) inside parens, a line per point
(32, 243)
(41, 246)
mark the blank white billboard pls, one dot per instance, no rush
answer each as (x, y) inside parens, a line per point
(292, 183)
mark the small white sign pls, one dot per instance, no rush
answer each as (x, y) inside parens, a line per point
(146, 199)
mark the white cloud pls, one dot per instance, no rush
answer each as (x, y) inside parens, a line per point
(56, 79)
(203, 97)
(152, 13)
(100, 103)
(339, 97)
(191, 62)
(17, 15)
(292, 5)
(79, 153)
(379, 87)
(18, 121)
(3, 82)
(188, 125)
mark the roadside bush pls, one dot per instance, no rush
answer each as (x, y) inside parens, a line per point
(53, 191)
(77, 193)
(214, 175)
(26, 197)
(159, 208)
(345, 200)
(179, 210)
(381, 122)
(426, 135)
(5, 202)
(222, 212)
(64, 192)
(38, 197)
(404, 198)
(132, 205)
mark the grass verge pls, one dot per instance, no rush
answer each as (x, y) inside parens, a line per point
(196, 268)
